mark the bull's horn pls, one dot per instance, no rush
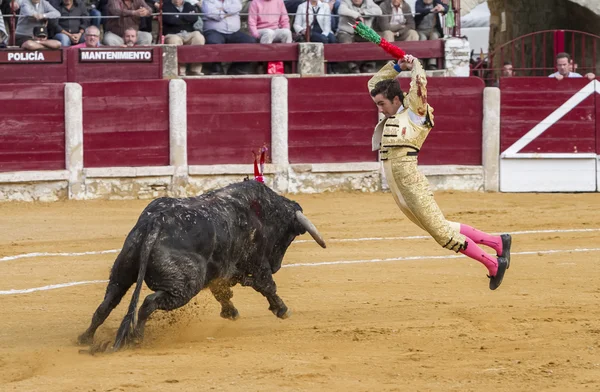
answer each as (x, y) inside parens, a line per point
(310, 228)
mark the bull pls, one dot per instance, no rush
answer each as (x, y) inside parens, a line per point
(179, 246)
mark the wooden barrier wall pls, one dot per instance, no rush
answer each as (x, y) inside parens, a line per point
(32, 127)
(227, 119)
(331, 120)
(527, 102)
(126, 123)
(65, 66)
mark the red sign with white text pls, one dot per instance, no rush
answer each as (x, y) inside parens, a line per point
(29, 57)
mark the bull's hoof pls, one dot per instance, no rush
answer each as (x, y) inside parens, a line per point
(85, 339)
(231, 314)
(282, 313)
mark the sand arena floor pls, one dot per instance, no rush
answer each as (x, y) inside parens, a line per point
(416, 323)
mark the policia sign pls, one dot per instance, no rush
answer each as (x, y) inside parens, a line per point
(27, 57)
(115, 55)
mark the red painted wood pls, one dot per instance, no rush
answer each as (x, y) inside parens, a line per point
(114, 71)
(527, 102)
(32, 127)
(126, 123)
(332, 119)
(33, 73)
(237, 52)
(362, 51)
(227, 119)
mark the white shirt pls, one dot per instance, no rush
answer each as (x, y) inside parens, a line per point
(414, 117)
(571, 75)
(398, 17)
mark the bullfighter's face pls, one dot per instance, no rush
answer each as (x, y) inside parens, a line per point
(385, 106)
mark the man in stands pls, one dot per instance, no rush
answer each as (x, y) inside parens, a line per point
(179, 30)
(351, 11)
(40, 41)
(268, 22)
(69, 31)
(130, 13)
(91, 37)
(34, 13)
(429, 25)
(397, 22)
(564, 66)
(130, 37)
(222, 26)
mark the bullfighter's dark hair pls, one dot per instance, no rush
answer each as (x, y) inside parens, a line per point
(389, 88)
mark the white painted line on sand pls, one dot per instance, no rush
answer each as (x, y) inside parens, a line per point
(40, 254)
(50, 287)
(319, 264)
(414, 237)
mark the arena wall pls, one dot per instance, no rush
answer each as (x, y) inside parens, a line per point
(151, 138)
(549, 137)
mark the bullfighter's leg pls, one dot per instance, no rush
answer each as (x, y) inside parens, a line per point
(114, 293)
(267, 287)
(223, 294)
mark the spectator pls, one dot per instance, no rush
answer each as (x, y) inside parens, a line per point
(130, 12)
(91, 37)
(34, 13)
(351, 11)
(222, 26)
(70, 31)
(429, 25)
(507, 70)
(268, 22)
(130, 37)
(39, 40)
(397, 22)
(564, 65)
(320, 26)
(179, 29)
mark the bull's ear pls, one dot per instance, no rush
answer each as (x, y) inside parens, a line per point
(312, 230)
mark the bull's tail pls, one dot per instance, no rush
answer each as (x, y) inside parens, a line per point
(128, 324)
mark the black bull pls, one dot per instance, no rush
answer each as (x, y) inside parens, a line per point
(237, 234)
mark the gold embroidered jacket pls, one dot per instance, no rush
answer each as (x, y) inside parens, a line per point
(400, 130)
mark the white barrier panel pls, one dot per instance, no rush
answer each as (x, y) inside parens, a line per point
(549, 174)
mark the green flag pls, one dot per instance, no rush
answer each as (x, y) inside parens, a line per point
(450, 22)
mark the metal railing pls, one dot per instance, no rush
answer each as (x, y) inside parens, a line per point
(454, 31)
(534, 54)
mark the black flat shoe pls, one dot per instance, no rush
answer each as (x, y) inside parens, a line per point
(495, 281)
(506, 242)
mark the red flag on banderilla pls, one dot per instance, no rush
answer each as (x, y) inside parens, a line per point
(259, 169)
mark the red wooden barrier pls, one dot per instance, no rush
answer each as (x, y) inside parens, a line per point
(528, 101)
(227, 119)
(126, 123)
(237, 52)
(364, 51)
(80, 70)
(52, 69)
(59, 66)
(32, 127)
(332, 119)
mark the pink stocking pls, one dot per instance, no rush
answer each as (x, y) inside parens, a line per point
(493, 241)
(476, 253)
